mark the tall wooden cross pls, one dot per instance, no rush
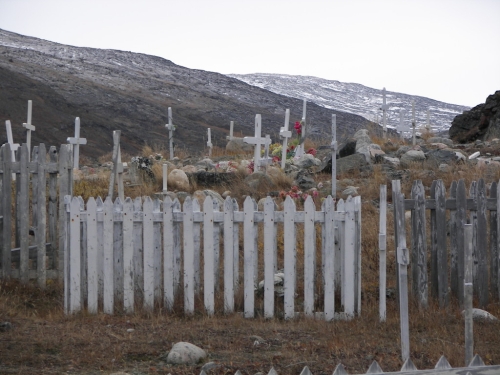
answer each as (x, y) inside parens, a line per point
(209, 143)
(231, 126)
(258, 141)
(76, 141)
(384, 109)
(29, 127)
(285, 134)
(171, 128)
(334, 147)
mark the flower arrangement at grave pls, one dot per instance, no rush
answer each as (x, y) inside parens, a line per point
(298, 196)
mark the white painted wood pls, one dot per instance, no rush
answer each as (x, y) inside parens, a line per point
(76, 141)
(339, 252)
(92, 257)
(249, 253)
(29, 127)
(231, 127)
(74, 257)
(83, 252)
(100, 247)
(196, 246)
(148, 248)
(108, 280)
(258, 141)
(329, 260)
(357, 251)
(118, 251)
(157, 251)
(228, 256)
(290, 257)
(216, 241)
(309, 256)
(236, 249)
(168, 253)
(13, 146)
(164, 175)
(285, 133)
(269, 259)
(117, 172)
(128, 256)
(382, 245)
(384, 109)
(188, 256)
(299, 150)
(208, 256)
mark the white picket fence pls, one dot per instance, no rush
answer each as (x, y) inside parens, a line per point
(151, 251)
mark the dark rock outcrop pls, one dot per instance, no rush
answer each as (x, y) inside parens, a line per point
(481, 122)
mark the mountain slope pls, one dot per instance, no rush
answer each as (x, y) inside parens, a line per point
(117, 90)
(357, 99)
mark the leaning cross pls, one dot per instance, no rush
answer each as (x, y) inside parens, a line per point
(384, 109)
(258, 141)
(209, 143)
(10, 140)
(29, 127)
(230, 136)
(76, 141)
(170, 127)
(285, 134)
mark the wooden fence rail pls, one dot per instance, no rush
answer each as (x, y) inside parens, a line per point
(153, 251)
(50, 176)
(447, 218)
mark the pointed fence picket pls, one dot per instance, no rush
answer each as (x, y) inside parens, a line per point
(149, 235)
(30, 218)
(446, 256)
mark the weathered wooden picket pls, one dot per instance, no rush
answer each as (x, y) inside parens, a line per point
(50, 177)
(152, 251)
(449, 265)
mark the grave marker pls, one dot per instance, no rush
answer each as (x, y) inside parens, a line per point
(334, 157)
(165, 170)
(117, 173)
(171, 128)
(384, 109)
(402, 127)
(209, 143)
(258, 141)
(299, 150)
(29, 128)
(231, 126)
(10, 140)
(285, 134)
(76, 141)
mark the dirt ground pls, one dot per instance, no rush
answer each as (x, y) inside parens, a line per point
(42, 340)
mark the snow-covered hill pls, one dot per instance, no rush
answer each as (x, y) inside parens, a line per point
(358, 99)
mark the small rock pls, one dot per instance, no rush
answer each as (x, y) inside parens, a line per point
(130, 330)
(481, 315)
(209, 366)
(185, 353)
(5, 326)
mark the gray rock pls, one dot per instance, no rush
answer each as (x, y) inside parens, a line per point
(446, 141)
(482, 315)
(437, 157)
(209, 366)
(306, 161)
(304, 180)
(350, 190)
(259, 181)
(363, 142)
(402, 150)
(410, 157)
(356, 162)
(5, 326)
(185, 353)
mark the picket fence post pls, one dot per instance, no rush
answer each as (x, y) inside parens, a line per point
(382, 245)
(269, 259)
(250, 254)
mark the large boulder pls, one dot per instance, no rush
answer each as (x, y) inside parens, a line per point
(178, 180)
(259, 181)
(411, 157)
(356, 162)
(481, 122)
(363, 142)
(437, 157)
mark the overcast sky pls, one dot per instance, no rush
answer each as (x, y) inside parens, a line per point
(442, 49)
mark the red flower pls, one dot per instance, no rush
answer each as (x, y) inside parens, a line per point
(298, 127)
(312, 151)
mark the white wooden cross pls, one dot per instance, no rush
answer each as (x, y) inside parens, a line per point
(13, 146)
(231, 126)
(29, 128)
(258, 141)
(10, 140)
(334, 147)
(384, 109)
(209, 143)
(76, 141)
(285, 134)
(170, 127)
